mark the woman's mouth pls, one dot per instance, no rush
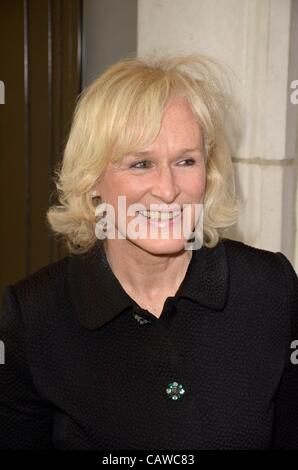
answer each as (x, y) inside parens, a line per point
(161, 219)
(160, 216)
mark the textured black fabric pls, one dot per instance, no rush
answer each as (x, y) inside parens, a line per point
(87, 368)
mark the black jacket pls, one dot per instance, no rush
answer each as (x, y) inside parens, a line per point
(86, 368)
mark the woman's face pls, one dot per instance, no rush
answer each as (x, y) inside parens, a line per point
(167, 174)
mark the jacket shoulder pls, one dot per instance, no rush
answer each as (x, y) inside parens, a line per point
(38, 294)
(48, 277)
(236, 246)
(258, 264)
(249, 254)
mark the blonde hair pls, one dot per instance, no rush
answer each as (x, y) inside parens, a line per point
(121, 112)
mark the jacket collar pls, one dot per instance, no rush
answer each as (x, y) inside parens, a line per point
(98, 296)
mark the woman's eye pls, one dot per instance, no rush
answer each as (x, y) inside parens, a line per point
(145, 164)
(141, 165)
(189, 162)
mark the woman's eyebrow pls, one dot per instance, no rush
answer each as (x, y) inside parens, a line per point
(148, 153)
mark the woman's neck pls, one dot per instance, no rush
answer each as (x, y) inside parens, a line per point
(148, 276)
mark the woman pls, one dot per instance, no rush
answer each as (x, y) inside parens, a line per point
(142, 339)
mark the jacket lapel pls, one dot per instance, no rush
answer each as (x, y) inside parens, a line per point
(98, 296)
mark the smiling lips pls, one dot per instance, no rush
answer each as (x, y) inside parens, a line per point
(160, 215)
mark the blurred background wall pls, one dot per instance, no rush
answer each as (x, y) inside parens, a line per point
(109, 34)
(40, 65)
(51, 49)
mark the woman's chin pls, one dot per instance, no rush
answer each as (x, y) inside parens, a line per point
(161, 247)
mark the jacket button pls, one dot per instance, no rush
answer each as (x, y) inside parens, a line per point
(141, 320)
(175, 390)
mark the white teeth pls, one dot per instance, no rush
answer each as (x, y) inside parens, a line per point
(157, 215)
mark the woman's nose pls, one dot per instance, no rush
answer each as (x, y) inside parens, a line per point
(165, 186)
